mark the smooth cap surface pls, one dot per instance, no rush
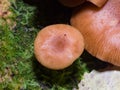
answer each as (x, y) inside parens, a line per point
(58, 46)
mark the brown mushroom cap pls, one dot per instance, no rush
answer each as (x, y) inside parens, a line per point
(101, 30)
(58, 46)
(71, 3)
(98, 3)
(74, 3)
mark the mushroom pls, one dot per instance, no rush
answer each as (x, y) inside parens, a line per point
(58, 46)
(74, 3)
(71, 3)
(101, 30)
(98, 3)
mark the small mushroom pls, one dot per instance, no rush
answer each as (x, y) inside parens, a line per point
(74, 3)
(58, 46)
(101, 30)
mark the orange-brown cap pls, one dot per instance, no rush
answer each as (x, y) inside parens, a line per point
(71, 3)
(74, 3)
(101, 30)
(58, 46)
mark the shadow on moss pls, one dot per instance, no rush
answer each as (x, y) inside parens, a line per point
(67, 78)
(50, 12)
(92, 62)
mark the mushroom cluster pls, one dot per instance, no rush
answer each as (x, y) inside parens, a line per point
(95, 25)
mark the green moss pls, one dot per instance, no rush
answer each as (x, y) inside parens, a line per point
(19, 70)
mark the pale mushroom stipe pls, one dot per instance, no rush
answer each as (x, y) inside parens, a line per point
(101, 30)
(58, 46)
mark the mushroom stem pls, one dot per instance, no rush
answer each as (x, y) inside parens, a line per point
(98, 3)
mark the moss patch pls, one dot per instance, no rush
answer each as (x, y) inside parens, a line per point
(19, 69)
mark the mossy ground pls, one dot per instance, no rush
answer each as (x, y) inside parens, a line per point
(19, 69)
